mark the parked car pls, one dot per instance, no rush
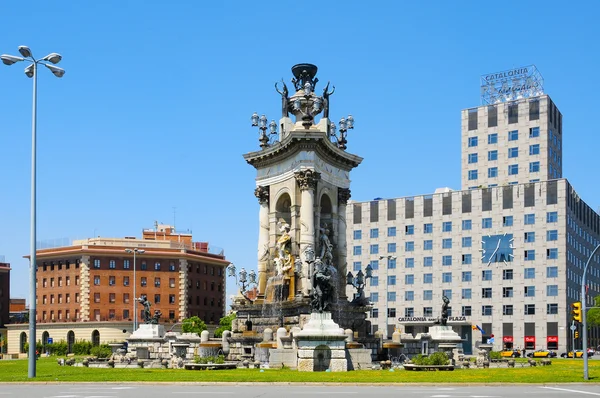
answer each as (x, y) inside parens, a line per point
(542, 354)
(510, 353)
(578, 354)
(591, 351)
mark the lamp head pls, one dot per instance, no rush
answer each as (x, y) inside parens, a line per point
(29, 71)
(254, 119)
(53, 57)
(25, 51)
(56, 71)
(140, 251)
(10, 59)
(129, 251)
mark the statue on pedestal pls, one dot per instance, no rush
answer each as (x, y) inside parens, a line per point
(146, 314)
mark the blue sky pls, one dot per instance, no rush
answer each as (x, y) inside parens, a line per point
(154, 110)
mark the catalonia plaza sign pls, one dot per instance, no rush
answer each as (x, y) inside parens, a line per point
(512, 84)
(430, 319)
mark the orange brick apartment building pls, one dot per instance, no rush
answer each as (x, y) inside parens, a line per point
(92, 280)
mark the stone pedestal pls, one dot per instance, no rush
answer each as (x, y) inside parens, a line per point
(483, 356)
(148, 331)
(321, 345)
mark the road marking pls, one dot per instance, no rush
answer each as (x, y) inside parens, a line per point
(569, 390)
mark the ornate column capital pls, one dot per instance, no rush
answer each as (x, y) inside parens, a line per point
(262, 193)
(307, 179)
(343, 196)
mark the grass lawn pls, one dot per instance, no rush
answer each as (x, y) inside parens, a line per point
(561, 371)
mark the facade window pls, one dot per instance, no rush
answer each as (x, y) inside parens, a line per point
(428, 261)
(486, 275)
(409, 279)
(409, 295)
(529, 255)
(552, 254)
(486, 292)
(428, 228)
(534, 167)
(529, 219)
(157, 266)
(466, 293)
(472, 158)
(472, 142)
(391, 248)
(507, 309)
(428, 244)
(409, 246)
(552, 216)
(409, 262)
(552, 309)
(172, 267)
(374, 233)
(467, 259)
(125, 264)
(427, 278)
(534, 149)
(529, 237)
(171, 299)
(529, 309)
(391, 312)
(493, 138)
(112, 280)
(357, 265)
(125, 298)
(507, 292)
(552, 272)
(486, 223)
(552, 235)
(493, 155)
(374, 264)
(513, 169)
(492, 172)
(446, 260)
(391, 231)
(144, 282)
(534, 132)
(171, 282)
(447, 243)
(97, 263)
(374, 249)
(467, 241)
(374, 297)
(111, 298)
(472, 175)
(513, 135)
(96, 297)
(357, 234)
(391, 263)
(466, 310)
(409, 312)
(156, 282)
(513, 113)
(409, 230)
(513, 152)
(374, 281)
(391, 280)
(466, 276)
(427, 311)
(447, 277)
(529, 291)
(112, 264)
(144, 266)
(97, 280)
(473, 119)
(447, 226)
(357, 250)
(552, 290)
(427, 295)
(486, 310)
(529, 273)
(466, 225)
(507, 221)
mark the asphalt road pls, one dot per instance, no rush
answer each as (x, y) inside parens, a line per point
(179, 390)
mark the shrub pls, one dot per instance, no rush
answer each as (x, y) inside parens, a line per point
(437, 358)
(225, 324)
(82, 347)
(59, 348)
(193, 325)
(101, 351)
(495, 355)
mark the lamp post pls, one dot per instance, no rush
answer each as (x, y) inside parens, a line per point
(134, 251)
(31, 71)
(358, 282)
(584, 316)
(389, 257)
(245, 280)
(261, 123)
(345, 125)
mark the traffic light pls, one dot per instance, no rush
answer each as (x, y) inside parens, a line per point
(576, 334)
(576, 312)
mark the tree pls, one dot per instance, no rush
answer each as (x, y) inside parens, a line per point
(225, 324)
(593, 315)
(193, 325)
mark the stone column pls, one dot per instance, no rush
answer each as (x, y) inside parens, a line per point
(84, 289)
(262, 193)
(343, 196)
(307, 181)
(183, 289)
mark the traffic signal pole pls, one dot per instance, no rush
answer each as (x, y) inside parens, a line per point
(584, 316)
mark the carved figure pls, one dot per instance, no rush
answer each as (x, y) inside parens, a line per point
(323, 289)
(284, 99)
(284, 247)
(326, 95)
(146, 314)
(156, 317)
(325, 246)
(445, 310)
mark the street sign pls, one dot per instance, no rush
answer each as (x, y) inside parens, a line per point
(573, 328)
(49, 340)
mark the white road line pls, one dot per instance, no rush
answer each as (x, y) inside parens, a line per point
(569, 390)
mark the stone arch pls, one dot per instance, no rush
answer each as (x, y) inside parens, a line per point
(22, 342)
(45, 337)
(70, 341)
(95, 338)
(321, 358)
(283, 207)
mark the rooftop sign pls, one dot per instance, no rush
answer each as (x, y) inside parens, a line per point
(511, 85)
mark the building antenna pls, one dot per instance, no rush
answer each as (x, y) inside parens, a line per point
(155, 228)
(174, 211)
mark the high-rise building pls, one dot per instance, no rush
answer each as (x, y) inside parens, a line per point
(508, 249)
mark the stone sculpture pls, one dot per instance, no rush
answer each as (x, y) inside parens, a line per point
(444, 319)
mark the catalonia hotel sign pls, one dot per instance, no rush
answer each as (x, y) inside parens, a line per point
(512, 84)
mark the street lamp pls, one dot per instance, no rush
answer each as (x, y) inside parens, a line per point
(358, 282)
(245, 280)
(134, 251)
(584, 316)
(389, 257)
(345, 125)
(31, 71)
(261, 123)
